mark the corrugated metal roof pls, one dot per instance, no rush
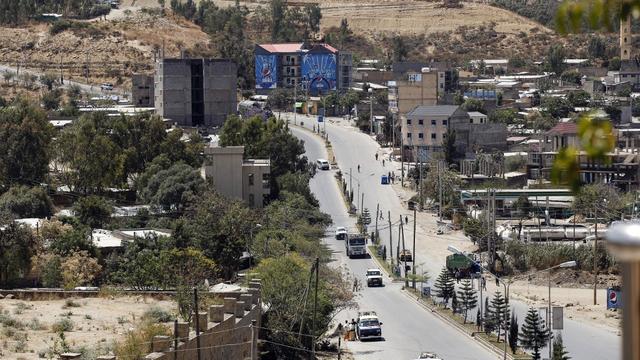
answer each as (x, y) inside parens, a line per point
(282, 48)
(434, 110)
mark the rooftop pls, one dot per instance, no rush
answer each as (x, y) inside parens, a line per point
(564, 128)
(476, 114)
(282, 48)
(434, 110)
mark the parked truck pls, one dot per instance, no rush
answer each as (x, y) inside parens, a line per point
(462, 264)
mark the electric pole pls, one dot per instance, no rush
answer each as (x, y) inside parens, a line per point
(390, 239)
(376, 233)
(406, 279)
(312, 355)
(413, 270)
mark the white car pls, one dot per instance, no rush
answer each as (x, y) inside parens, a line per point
(106, 86)
(323, 164)
(368, 326)
(341, 233)
(374, 277)
(429, 355)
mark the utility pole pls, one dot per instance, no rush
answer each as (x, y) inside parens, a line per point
(390, 239)
(312, 355)
(377, 211)
(399, 237)
(371, 108)
(406, 279)
(350, 187)
(420, 185)
(175, 339)
(362, 205)
(439, 191)
(358, 199)
(295, 99)
(195, 307)
(413, 268)
(595, 263)
(401, 159)
(254, 339)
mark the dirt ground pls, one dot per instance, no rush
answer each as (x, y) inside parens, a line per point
(97, 323)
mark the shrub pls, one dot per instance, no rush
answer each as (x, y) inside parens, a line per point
(137, 342)
(35, 324)
(62, 325)
(70, 303)
(157, 314)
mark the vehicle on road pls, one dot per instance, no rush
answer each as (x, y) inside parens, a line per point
(405, 255)
(374, 277)
(368, 326)
(461, 263)
(323, 164)
(341, 233)
(106, 86)
(356, 245)
(429, 355)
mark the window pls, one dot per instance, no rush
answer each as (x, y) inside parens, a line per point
(420, 136)
(250, 179)
(471, 121)
(444, 122)
(252, 200)
(433, 122)
(408, 135)
(420, 122)
(408, 121)
(433, 136)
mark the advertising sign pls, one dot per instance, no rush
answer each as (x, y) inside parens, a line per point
(266, 72)
(557, 316)
(319, 72)
(614, 298)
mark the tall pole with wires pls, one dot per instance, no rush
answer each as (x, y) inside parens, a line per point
(390, 239)
(312, 355)
(413, 268)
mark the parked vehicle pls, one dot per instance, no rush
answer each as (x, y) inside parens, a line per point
(355, 245)
(368, 326)
(429, 355)
(405, 255)
(323, 164)
(463, 264)
(106, 86)
(374, 277)
(341, 233)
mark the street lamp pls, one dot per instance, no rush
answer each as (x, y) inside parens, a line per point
(623, 240)
(371, 108)
(566, 264)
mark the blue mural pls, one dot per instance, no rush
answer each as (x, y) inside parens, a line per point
(266, 72)
(319, 72)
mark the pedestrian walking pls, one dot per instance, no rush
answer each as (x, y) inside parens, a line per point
(406, 219)
(358, 167)
(353, 335)
(382, 162)
(376, 156)
(497, 281)
(484, 283)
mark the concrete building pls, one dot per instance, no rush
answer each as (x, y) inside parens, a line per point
(237, 178)
(315, 68)
(196, 92)
(478, 117)
(142, 90)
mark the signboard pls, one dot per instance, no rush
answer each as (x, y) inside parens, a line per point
(414, 77)
(614, 298)
(266, 72)
(319, 71)
(557, 316)
(423, 154)
(320, 118)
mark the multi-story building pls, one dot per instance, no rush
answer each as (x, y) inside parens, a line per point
(234, 177)
(142, 90)
(621, 169)
(316, 68)
(196, 92)
(424, 131)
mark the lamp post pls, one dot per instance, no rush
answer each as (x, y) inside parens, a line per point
(371, 108)
(623, 239)
(566, 264)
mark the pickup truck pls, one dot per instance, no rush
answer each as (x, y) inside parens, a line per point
(374, 277)
(368, 326)
(341, 233)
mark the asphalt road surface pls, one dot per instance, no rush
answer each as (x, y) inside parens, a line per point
(353, 148)
(408, 328)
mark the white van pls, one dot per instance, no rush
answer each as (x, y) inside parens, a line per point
(323, 164)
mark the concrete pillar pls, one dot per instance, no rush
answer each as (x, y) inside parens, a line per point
(216, 313)
(183, 331)
(248, 301)
(255, 294)
(203, 318)
(229, 305)
(239, 310)
(160, 343)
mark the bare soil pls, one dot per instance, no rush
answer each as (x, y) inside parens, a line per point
(97, 323)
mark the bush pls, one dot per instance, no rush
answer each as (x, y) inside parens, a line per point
(157, 314)
(25, 202)
(137, 343)
(62, 325)
(529, 256)
(64, 25)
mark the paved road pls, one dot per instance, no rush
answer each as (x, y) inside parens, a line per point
(408, 329)
(583, 341)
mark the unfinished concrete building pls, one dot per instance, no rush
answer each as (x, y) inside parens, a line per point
(196, 92)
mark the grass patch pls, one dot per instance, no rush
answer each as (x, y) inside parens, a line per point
(9, 321)
(20, 308)
(62, 325)
(69, 303)
(35, 324)
(137, 343)
(157, 314)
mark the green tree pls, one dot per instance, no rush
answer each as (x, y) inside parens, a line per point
(174, 188)
(488, 320)
(556, 107)
(533, 333)
(503, 116)
(51, 100)
(522, 207)
(344, 32)
(93, 211)
(559, 352)
(600, 199)
(473, 105)
(513, 333)
(25, 202)
(614, 64)
(297, 183)
(597, 48)
(499, 312)
(444, 286)
(25, 139)
(450, 153)
(468, 298)
(541, 121)
(571, 76)
(555, 59)
(17, 246)
(445, 180)
(188, 267)
(73, 241)
(476, 229)
(399, 48)
(281, 99)
(579, 98)
(49, 80)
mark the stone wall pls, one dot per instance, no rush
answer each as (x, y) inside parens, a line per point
(227, 331)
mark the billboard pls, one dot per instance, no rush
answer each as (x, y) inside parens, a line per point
(319, 72)
(614, 298)
(266, 71)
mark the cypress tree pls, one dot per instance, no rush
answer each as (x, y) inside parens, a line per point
(533, 334)
(444, 286)
(478, 319)
(468, 297)
(489, 324)
(559, 352)
(499, 312)
(513, 333)
(455, 306)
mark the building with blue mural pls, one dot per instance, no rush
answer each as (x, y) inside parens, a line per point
(314, 68)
